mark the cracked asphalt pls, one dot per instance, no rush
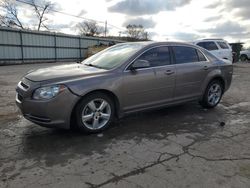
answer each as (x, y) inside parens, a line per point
(181, 146)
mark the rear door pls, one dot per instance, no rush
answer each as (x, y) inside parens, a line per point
(147, 87)
(191, 69)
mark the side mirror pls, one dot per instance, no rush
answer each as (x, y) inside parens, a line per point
(138, 64)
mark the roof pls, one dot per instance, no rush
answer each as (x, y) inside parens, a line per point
(161, 43)
(213, 39)
(206, 40)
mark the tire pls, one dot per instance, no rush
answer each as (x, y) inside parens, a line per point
(94, 113)
(212, 95)
(243, 58)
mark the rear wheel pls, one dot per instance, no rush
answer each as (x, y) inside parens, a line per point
(213, 94)
(94, 113)
(243, 57)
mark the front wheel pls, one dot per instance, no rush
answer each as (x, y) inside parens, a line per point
(94, 113)
(212, 94)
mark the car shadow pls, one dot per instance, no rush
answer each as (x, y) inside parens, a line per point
(56, 146)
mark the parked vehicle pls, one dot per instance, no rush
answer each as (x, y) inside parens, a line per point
(245, 55)
(122, 79)
(219, 47)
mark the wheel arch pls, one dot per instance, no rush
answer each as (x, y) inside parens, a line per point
(104, 91)
(203, 101)
(221, 79)
(214, 77)
(244, 55)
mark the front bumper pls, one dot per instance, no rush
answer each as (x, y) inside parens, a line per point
(52, 113)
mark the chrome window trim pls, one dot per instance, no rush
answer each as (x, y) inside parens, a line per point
(150, 68)
(194, 48)
(168, 45)
(203, 55)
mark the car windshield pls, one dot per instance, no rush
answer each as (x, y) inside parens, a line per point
(114, 56)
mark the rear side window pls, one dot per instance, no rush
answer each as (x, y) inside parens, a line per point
(201, 56)
(158, 56)
(223, 45)
(185, 54)
(208, 45)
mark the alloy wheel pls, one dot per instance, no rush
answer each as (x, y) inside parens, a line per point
(214, 94)
(96, 114)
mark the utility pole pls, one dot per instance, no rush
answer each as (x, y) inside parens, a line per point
(105, 32)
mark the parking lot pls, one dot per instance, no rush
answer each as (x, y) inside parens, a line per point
(181, 146)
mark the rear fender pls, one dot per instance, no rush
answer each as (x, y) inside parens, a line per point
(212, 75)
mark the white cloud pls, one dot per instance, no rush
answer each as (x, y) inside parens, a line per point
(165, 19)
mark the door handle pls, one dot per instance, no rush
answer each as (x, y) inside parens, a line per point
(169, 72)
(205, 67)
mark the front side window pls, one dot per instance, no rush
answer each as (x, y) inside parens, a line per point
(158, 56)
(223, 45)
(185, 54)
(208, 45)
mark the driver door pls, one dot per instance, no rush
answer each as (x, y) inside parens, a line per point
(150, 86)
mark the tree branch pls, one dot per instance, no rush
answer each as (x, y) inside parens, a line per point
(41, 11)
(11, 17)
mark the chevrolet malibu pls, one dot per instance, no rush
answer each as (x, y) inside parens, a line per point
(122, 79)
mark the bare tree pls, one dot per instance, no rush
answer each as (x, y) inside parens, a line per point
(137, 32)
(41, 10)
(145, 35)
(89, 28)
(11, 17)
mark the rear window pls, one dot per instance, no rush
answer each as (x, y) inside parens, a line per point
(223, 45)
(208, 45)
(185, 54)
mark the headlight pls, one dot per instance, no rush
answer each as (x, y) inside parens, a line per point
(48, 92)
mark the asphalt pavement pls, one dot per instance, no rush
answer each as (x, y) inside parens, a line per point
(181, 146)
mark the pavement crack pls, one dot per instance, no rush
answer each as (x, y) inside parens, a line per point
(137, 171)
(218, 159)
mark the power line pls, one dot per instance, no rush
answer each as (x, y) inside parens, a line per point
(67, 14)
(57, 11)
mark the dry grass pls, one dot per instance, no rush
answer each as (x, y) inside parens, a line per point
(95, 49)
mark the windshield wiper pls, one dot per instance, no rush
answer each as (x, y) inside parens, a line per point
(91, 65)
(96, 66)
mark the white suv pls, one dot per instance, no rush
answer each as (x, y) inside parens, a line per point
(218, 47)
(245, 55)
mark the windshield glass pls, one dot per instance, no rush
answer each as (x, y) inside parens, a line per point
(114, 56)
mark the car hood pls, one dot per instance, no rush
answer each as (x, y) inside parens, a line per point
(63, 72)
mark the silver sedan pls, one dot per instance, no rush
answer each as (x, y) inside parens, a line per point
(122, 79)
